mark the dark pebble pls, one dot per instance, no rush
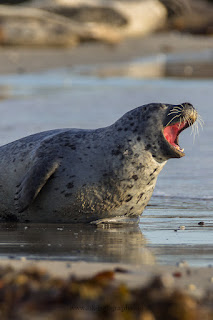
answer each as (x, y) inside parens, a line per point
(201, 223)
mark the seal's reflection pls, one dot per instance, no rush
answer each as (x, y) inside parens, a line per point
(112, 243)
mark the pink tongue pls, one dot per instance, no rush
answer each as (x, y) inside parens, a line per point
(171, 133)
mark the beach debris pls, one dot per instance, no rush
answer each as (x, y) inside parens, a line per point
(177, 274)
(23, 259)
(192, 287)
(188, 272)
(182, 264)
(32, 293)
(121, 270)
(162, 281)
(201, 223)
(182, 227)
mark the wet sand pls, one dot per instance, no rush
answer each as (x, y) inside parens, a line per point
(19, 59)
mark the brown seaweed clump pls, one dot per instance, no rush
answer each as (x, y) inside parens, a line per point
(34, 294)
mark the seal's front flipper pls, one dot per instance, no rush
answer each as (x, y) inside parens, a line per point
(33, 182)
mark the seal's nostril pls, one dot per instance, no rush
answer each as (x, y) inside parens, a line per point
(187, 104)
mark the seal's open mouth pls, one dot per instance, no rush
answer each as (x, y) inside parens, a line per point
(178, 118)
(171, 133)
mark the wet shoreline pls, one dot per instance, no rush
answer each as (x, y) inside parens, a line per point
(27, 60)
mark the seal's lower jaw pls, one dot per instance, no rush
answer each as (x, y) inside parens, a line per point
(171, 134)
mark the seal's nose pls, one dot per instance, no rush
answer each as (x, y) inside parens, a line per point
(187, 104)
(189, 112)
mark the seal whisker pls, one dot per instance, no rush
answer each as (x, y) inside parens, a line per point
(194, 128)
(196, 131)
(173, 119)
(189, 121)
(197, 125)
(177, 108)
(197, 128)
(193, 132)
(173, 112)
(199, 117)
(200, 121)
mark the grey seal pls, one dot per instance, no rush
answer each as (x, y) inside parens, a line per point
(76, 175)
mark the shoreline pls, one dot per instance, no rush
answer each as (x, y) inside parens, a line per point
(29, 60)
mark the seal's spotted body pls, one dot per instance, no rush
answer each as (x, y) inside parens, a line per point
(73, 175)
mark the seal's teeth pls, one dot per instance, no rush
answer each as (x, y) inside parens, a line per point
(179, 148)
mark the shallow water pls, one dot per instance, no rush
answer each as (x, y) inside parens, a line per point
(184, 192)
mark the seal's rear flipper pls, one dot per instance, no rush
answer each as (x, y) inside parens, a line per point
(33, 182)
(119, 220)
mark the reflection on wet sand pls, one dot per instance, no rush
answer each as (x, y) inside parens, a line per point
(190, 65)
(75, 242)
(5, 92)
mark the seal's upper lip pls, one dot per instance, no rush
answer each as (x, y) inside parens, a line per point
(171, 134)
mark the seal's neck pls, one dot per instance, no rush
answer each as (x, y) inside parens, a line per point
(128, 152)
(132, 139)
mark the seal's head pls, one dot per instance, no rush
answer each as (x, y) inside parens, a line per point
(178, 118)
(158, 127)
(169, 121)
